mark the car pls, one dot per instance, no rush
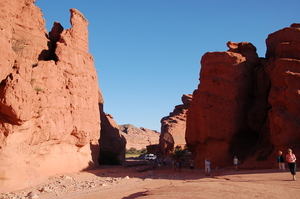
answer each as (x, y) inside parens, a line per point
(150, 157)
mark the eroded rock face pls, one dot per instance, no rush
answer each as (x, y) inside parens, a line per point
(173, 127)
(283, 68)
(138, 138)
(247, 106)
(217, 118)
(49, 96)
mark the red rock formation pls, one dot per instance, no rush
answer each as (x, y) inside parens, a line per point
(49, 96)
(217, 117)
(173, 127)
(283, 68)
(138, 138)
(247, 106)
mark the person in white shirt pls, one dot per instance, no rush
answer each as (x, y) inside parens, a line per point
(207, 166)
(236, 163)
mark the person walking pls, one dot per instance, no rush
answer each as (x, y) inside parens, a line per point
(159, 164)
(236, 163)
(280, 161)
(191, 165)
(207, 166)
(291, 159)
(164, 162)
(180, 165)
(175, 164)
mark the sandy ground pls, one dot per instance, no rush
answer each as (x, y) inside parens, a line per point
(138, 179)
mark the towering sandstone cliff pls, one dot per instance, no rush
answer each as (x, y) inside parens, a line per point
(49, 96)
(283, 68)
(246, 105)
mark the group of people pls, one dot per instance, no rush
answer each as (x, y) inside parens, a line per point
(207, 165)
(160, 162)
(177, 164)
(290, 158)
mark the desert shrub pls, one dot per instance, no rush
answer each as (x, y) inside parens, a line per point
(18, 45)
(143, 151)
(171, 121)
(133, 152)
(178, 152)
(32, 81)
(38, 89)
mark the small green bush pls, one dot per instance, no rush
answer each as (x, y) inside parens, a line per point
(171, 121)
(133, 152)
(178, 152)
(143, 151)
(38, 89)
(18, 45)
(32, 81)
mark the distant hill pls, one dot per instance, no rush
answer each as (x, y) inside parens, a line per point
(139, 138)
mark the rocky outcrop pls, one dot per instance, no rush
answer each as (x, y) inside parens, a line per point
(49, 96)
(173, 127)
(283, 69)
(138, 138)
(246, 105)
(217, 118)
(112, 142)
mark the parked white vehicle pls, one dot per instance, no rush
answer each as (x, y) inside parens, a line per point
(150, 157)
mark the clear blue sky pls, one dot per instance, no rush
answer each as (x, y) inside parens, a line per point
(147, 52)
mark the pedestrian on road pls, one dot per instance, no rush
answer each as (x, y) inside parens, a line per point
(291, 159)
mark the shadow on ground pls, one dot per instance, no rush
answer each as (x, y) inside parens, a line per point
(140, 168)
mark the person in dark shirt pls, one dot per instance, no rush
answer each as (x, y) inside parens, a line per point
(280, 160)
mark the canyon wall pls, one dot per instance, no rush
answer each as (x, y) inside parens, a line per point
(49, 97)
(245, 105)
(283, 68)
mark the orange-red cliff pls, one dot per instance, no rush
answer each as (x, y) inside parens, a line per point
(49, 96)
(245, 105)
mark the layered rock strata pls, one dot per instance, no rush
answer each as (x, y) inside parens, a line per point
(283, 68)
(246, 105)
(217, 117)
(49, 96)
(173, 127)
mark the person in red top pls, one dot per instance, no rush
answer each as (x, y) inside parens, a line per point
(291, 159)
